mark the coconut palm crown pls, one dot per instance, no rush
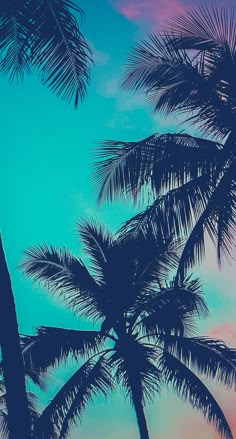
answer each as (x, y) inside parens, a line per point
(189, 69)
(144, 333)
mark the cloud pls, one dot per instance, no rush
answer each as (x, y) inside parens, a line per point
(148, 11)
(99, 57)
(109, 88)
(124, 102)
(154, 12)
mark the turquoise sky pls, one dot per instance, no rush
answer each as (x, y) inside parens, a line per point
(46, 155)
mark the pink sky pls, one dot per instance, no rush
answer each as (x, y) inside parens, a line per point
(155, 11)
(195, 427)
(149, 11)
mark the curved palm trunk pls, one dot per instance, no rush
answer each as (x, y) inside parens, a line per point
(12, 361)
(142, 423)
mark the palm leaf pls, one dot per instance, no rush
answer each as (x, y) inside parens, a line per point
(45, 34)
(52, 345)
(60, 271)
(176, 79)
(91, 379)
(96, 243)
(207, 356)
(190, 388)
(173, 309)
(15, 60)
(189, 202)
(158, 163)
(205, 28)
(60, 50)
(217, 219)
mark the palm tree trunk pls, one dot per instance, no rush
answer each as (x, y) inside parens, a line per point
(12, 361)
(142, 423)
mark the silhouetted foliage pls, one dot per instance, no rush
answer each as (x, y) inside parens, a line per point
(45, 35)
(189, 69)
(146, 328)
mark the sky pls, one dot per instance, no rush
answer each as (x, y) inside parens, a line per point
(45, 176)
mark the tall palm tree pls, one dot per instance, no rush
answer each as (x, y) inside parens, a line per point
(189, 69)
(144, 331)
(45, 35)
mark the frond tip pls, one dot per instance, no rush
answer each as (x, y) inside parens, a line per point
(45, 34)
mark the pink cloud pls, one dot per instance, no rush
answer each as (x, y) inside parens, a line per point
(148, 11)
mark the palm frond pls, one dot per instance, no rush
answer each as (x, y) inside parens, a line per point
(204, 28)
(177, 80)
(39, 378)
(190, 388)
(91, 379)
(175, 212)
(173, 309)
(153, 165)
(15, 59)
(155, 254)
(96, 242)
(152, 62)
(207, 356)
(217, 219)
(52, 345)
(60, 50)
(45, 34)
(60, 271)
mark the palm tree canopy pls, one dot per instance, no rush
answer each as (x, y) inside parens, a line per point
(190, 68)
(146, 326)
(188, 182)
(44, 34)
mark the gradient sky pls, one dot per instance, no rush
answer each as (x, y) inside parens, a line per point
(45, 173)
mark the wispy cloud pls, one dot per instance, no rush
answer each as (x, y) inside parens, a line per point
(148, 11)
(99, 57)
(124, 102)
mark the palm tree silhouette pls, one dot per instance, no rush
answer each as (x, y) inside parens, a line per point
(189, 69)
(44, 34)
(145, 328)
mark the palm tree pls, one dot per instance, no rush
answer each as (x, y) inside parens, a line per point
(190, 181)
(144, 331)
(45, 35)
